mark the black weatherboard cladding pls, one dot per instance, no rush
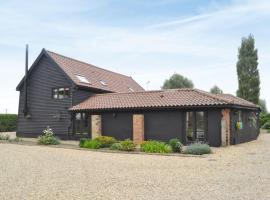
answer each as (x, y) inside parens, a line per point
(118, 125)
(214, 127)
(163, 125)
(45, 111)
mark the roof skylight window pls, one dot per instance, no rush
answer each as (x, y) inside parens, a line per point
(82, 79)
(103, 83)
(130, 89)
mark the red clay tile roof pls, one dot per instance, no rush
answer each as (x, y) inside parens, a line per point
(114, 82)
(159, 99)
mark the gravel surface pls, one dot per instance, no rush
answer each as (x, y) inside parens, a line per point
(36, 172)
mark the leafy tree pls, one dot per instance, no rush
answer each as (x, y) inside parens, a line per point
(177, 81)
(262, 104)
(216, 90)
(247, 71)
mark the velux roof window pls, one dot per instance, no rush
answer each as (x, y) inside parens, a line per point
(103, 82)
(130, 89)
(82, 79)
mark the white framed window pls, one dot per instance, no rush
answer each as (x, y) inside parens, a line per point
(82, 79)
(103, 82)
(60, 93)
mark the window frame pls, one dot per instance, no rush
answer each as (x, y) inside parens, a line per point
(65, 95)
(81, 124)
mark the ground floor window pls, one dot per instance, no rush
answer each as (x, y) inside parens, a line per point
(195, 126)
(81, 124)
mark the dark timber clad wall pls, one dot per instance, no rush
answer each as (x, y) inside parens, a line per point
(118, 125)
(163, 125)
(248, 133)
(41, 105)
(214, 127)
(81, 95)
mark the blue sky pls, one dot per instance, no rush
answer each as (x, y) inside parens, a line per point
(148, 40)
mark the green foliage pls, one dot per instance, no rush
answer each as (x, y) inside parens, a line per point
(247, 71)
(116, 146)
(177, 81)
(92, 144)
(126, 145)
(8, 122)
(268, 131)
(198, 148)
(106, 141)
(176, 145)
(4, 137)
(216, 90)
(48, 138)
(82, 141)
(266, 125)
(264, 118)
(16, 139)
(262, 104)
(153, 146)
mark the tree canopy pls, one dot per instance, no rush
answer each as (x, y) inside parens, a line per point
(216, 90)
(247, 71)
(262, 104)
(177, 81)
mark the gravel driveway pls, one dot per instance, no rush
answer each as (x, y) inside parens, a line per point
(34, 172)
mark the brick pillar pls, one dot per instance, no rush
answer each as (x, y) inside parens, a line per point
(138, 128)
(225, 127)
(96, 125)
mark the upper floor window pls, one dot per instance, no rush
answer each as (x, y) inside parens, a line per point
(60, 93)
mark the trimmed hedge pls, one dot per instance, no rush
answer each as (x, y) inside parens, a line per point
(8, 122)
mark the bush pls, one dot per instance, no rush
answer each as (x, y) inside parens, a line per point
(264, 118)
(198, 148)
(153, 146)
(105, 141)
(92, 144)
(126, 145)
(266, 125)
(8, 122)
(48, 138)
(82, 141)
(116, 146)
(176, 145)
(4, 137)
(268, 131)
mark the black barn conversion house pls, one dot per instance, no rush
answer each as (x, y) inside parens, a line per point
(77, 99)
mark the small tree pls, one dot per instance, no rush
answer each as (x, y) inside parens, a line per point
(247, 71)
(216, 90)
(177, 81)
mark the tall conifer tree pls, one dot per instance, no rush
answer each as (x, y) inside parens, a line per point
(247, 71)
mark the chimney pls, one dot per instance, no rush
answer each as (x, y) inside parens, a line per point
(25, 110)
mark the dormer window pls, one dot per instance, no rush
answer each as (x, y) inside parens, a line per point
(130, 89)
(82, 79)
(60, 93)
(103, 82)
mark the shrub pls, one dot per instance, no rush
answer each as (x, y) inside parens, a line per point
(8, 122)
(266, 125)
(153, 146)
(116, 146)
(4, 137)
(264, 118)
(16, 139)
(176, 145)
(198, 148)
(127, 145)
(48, 137)
(268, 130)
(82, 141)
(92, 144)
(105, 141)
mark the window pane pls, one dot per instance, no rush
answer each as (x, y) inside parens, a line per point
(55, 93)
(78, 116)
(239, 117)
(189, 126)
(200, 124)
(67, 93)
(61, 93)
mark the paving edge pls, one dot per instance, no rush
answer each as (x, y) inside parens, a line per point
(74, 147)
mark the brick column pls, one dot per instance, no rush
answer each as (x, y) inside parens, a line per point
(138, 128)
(225, 127)
(96, 125)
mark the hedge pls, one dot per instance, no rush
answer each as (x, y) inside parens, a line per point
(8, 122)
